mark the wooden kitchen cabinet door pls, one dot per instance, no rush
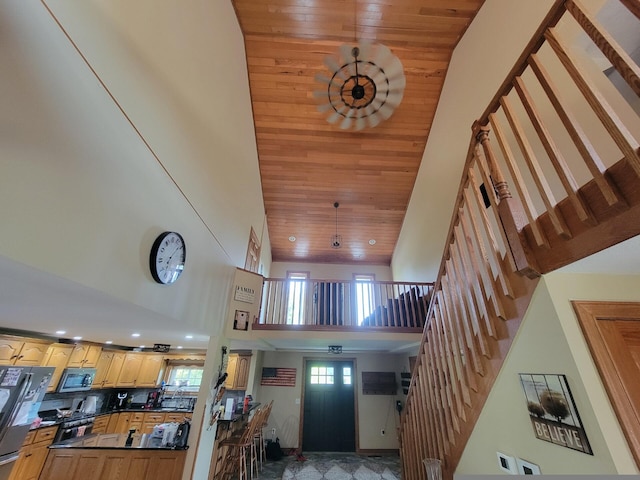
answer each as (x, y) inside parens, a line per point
(115, 367)
(150, 370)
(124, 419)
(102, 368)
(130, 370)
(31, 354)
(9, 350)
(58, 357)
(242, 372)
(232, 366)
(85, 356)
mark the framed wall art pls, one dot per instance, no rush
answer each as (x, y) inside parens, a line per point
(552, 411)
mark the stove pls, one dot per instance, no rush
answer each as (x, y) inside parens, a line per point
(75, 425)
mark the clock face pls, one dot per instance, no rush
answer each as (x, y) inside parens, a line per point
(167, 257)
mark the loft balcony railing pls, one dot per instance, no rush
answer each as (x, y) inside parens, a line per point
(552, 175)
(343, 305)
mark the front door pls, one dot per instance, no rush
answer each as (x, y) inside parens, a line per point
(329, 407)
(612, 330)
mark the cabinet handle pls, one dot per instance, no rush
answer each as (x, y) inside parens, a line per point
(28, 455)
(13, 356)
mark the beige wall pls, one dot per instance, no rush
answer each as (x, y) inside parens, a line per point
(550, 341)
(375, 412)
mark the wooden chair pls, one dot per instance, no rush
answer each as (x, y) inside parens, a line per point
(259, 435)
(237, 446)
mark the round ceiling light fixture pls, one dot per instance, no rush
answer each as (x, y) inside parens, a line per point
(372, 242)
(364, 87)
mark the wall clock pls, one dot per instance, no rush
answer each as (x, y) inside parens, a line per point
(167, 258)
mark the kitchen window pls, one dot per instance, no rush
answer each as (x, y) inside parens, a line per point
(184, 378)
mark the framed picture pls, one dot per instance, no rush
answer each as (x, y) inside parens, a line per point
(507, 463)
(241, 320)
(552, 411)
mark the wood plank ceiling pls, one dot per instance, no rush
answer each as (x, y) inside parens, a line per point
(307, 164)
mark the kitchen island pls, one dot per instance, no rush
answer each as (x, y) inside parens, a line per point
(107, 457)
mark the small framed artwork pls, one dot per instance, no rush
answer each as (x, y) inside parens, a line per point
(552, 411)
(241, 320)
(507, 463)
(527, 468)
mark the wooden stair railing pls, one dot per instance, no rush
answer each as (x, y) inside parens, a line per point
(343, 305)
(533, 217)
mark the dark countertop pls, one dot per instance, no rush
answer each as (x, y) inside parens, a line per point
(112, 441)
(240, 416)
(58, 421)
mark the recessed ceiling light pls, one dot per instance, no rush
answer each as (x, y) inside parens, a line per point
(179, 347)
(292, 238)
(372, 242)
(188, 337)
(77, 338)
(135, 334)
(109, 342)
(60, 332)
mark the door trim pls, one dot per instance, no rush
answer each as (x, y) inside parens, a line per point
(355, 394)
(608, 355)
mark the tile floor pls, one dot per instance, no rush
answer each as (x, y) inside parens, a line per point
(273, 470)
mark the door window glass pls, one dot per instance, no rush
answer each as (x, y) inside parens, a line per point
(322, 375)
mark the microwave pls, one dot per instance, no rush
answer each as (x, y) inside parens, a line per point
(76, 379)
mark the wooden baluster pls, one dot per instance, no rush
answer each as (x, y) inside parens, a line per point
(626, 142)
(622, 62)
(520, 185)
(424, 425)
(453, 393)
(432, 385)
(479, 259)
(426, 402)
(469, 318)
(462, 367)
(633, 6)
(492, 249)
(555, 156)
(474, 288)
(508, 212)
(468, 353)
(445, 399)
(460, 308)
(589, 154)
(537, 174)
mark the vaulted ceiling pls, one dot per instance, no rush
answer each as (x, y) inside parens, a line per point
(308, 164)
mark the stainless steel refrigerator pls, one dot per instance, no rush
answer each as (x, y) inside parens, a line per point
(21, 392)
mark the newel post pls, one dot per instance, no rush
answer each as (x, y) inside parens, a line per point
(510, 210)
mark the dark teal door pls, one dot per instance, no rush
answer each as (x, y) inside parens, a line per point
(329, 407)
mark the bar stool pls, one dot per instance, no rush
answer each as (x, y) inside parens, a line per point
(237, 446)
(259, 436)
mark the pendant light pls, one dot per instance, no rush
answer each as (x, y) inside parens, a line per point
(336, 240)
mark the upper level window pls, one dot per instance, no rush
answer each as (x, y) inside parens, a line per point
(365, 301)
(297, 289)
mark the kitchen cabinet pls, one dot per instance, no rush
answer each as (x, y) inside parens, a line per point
(33, 454)
(136, 421)
(238, 371)
(108, 369)
(150, 370)
(140, 370)
(130, 369)
(113, 464)
(113, 423)
(124, 418)
(57, 356)
(15, 351)
(151, 419)
(84, 356)
(100, 424)
(177, 417)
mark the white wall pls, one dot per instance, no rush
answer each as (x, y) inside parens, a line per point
(550, 341)
(331, 271)
(375, 412)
